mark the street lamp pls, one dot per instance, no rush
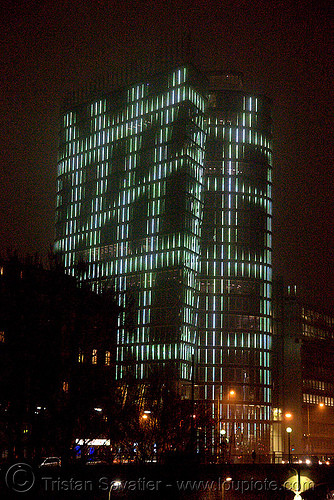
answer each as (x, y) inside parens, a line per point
(321, 405)
(289, 430)
(232, 395)
(225, 402)
(228, 479)
(297, 492)
(223, 444)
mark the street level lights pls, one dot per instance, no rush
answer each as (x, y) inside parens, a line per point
(223, 444)
(289, 430)
(228, 479)
(225, 402)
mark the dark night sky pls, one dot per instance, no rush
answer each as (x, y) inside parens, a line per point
(285, 50)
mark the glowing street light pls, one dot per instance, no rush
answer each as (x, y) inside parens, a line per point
(228, 398)
(289, 430)
(227, 479)
(320, 405)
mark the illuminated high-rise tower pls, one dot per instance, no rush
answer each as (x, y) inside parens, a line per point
(234, 323)
(129, 209)
(164, 189)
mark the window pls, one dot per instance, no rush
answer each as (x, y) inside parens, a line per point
(107, 358)
(81, 356)
(94, 357)
(65, 387)
(2, 336)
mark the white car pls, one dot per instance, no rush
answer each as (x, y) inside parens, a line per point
(96, 461)
(51, 462)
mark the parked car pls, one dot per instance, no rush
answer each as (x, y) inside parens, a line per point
(95, 461)
(312, 460)
(51, 462)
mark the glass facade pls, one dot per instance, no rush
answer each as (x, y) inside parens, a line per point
(235, 330)
(164, 188)
(129, 208)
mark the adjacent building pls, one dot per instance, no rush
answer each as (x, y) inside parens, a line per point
(304, 389)
(57, 359)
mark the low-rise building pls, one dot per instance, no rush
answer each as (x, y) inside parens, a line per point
(57, 358)
(304, 375)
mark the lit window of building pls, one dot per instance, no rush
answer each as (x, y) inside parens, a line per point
(94, 357)
(107, 358)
